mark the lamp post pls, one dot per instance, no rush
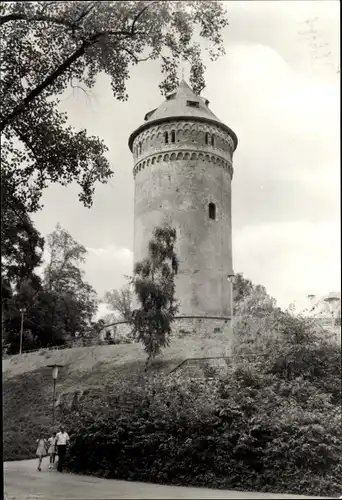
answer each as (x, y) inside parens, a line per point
(331, 299)
(22, 311)
(54, 377)
(230, 279)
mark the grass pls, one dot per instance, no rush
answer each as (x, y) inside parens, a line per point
(27, 381)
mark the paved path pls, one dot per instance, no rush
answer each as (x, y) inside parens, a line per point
(23, 481)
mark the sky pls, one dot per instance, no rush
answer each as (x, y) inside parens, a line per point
(281, 96)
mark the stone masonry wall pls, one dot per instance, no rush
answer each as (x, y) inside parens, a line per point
(174, 183)
(201, 328)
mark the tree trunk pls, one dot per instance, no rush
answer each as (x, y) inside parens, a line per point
(148, 362)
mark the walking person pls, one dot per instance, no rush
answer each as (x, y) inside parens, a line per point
(41, 450)
(52, 449)
(62, 439)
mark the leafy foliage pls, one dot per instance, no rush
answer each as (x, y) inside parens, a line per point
(251, 299)
(21, 248)
(84, 40)
(272, 423)
(212, 433)
(120, 302)
(242, 287)
(21, 254)
(63, 277)
(154, 286)
(58, 309)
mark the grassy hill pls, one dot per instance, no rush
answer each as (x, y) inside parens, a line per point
(27, 382)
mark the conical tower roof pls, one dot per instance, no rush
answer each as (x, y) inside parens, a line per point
(183, 103)
(176, 104)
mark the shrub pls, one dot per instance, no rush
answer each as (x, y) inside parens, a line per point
(248, 430)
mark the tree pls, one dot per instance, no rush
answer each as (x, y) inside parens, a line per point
(21, 253)
(57, 309)
(242, 287)
(258, 303)
(21, 249)
(256, 325)
(120, 301)
(75, 300)
(272, 341)
(6, 296)
(66, 255)
(251, 299)
(83, 40)
(154, 285)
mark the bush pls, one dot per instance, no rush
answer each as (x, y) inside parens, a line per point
(248, 430)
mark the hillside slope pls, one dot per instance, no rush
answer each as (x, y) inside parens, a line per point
(27, 382)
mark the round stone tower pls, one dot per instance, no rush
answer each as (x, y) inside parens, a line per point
(183, 172)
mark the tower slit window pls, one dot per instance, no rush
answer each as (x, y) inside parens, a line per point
(166, 135)
(212, 211)
(173, 136)
(213, 140)
(207, 138)
(192, 104)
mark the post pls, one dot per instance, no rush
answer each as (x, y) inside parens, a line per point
(54, 377)
(231, 303)
(21, 331)
(3, 324)
(230, 279)
(53, 403)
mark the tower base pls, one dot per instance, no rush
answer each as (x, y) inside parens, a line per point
(200, 326)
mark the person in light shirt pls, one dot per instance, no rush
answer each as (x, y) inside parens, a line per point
(62, 440)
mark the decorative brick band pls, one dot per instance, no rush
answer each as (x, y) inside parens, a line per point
(166, 123)
(180, 134)
(186, 155)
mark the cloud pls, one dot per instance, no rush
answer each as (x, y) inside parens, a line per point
(285, 108)
(286, 165)
(103, 311)
(106, 267)
(112, 252)
(293, 259)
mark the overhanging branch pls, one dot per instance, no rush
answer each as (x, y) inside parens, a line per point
(20, 108)
(37, 18)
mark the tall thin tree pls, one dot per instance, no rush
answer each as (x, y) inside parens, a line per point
(154, 286)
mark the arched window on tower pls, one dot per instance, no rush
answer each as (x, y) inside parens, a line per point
(166, 135)
(140, 148)
(207, 138)
(173, 136)
(213, 140)
(212, 211)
